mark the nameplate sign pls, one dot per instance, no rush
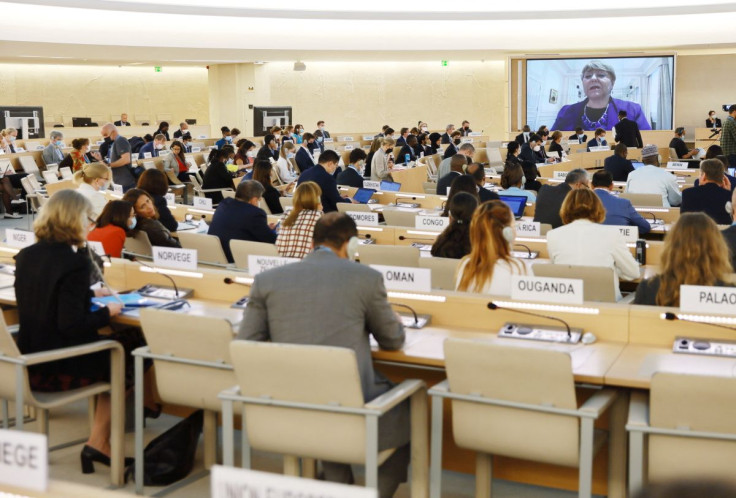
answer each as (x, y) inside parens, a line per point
(170, 199)
(147, 155)
(368, 137)
(474, 134)
(19, 238)
(547, 289)
(196, 149)
(676, 165)
(467, 140)
(705, 299)
(202, 202)
(600, 148)
(149, 165)
(201, 136)
(24, 460)
(117, 188)
(437, 223)
(329, 140)
(405, 278)
(372, 184)
(258, 264)
(349, 147)
(347, 139)
(363, 218)
(560, 175)
(173, 257)
(529, 228)
(630, 233)
(97, 247)
(230, 482)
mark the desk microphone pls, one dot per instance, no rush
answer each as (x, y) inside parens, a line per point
(529, 251)
(716, 131)
(230, 281)
(173, 283)
(493, 306)
(416, 318)
(404, 237)
(673, 317)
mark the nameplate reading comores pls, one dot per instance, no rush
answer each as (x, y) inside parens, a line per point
(547, 289)
(24, 460)
(364, 218)
(529, 228)
(436, 223)
(173, 257)
(405, 278)
(258, 264)
(19, 238)
(705, 299)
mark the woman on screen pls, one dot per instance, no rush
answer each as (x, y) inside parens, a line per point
(598, 109)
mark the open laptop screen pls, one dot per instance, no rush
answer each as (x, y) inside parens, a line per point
(363, 195)
(387, 186)
(517, 203)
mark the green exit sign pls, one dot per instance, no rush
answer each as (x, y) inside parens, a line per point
(444, 63)
(158, 68)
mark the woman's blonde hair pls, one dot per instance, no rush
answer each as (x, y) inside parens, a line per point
(694, 253)
(92, 171)
(582, 204)
(307, 195)
(64, 218)
(487, 245)
(287, 147)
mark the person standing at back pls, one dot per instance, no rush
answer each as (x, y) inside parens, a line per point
(551, 197)
(627, 131)
(728, 136)
(120, 157)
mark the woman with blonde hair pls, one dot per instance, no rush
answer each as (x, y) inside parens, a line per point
(93, 180)
(695, 253)
(489, 266)
(9, 136)
(295, 239)
(285, 169)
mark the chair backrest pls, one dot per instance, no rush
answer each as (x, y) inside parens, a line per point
(494, 157)
(66, 173)
(264, 205)
(515, 374)
(26, 184)
(209, 249)
(399, 218)
(643, 199)
(9, 349)
(444, 271)
(29, 166)
(372, 254)
(33, 145)
(286, 202)
(673, 154)
(139, 244)
(344, 207)
(53, 167)
(307, 374)
(52, 188)
(50, 177)
(183, 335)
(241, 249)
(34, 182)
(544, 228)
(599, 282)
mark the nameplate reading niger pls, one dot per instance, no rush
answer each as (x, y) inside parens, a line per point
(363, 218)
(705, 299)
(172, 257)
(405, 278)
(547, 289)
(19, 238)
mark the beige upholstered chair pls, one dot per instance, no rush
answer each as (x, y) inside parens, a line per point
(209, 249)
(241, 249)
(399, 218)
(373, 254)
(307, 401)
(599, 283)
(286, 202)
(643, 199)
(444, 271)
(515, 402)
(139, 245)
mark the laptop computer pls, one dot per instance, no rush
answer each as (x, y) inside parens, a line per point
(517, 203)
(363, 195)
(387, 186)
(637, 164)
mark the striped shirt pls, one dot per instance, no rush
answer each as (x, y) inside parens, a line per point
(297, 240)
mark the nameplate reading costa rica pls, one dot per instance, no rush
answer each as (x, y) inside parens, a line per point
(24, 460)
(437, 223)
(258, 264)
(19, 238)
(363, 218)
(705, 299)
(529, 228)
(173, 257)
(547, 289)
(405, 278)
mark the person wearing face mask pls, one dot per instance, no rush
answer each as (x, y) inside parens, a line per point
(321, 128)
(10, 134)
(712, 121)
(284, 164)
(304, 156)
(382, 162)
(452, 149)
(176, 163)
(226, 138)
(298, 134)
(270, 150)
(52, 154)
(277, 132)
(352, 176)
(245, 156)
(186, 141)
(183, 130)
(465, 128)
(512, 182)
(422, 148)
(217, 176)
(93, 180)
(678, 143)
(319, 143)
(600, 139)
(114, 222)
(423, 128)
(434, 144)
(529, 158)
(152, 148)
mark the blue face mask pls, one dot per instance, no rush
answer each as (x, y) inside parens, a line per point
(229, 139)
(132, 223)
(59, 143)
(319, 139)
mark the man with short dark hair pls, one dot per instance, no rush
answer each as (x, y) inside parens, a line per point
(619, 211)
(183, 130)
(270, 150)
(617, 165)
(478, 174)
(579, 135)
(153, 147)
(551, 197)
(458, 163)
(241, 218)
(599, 140)
(401, 141)
(466, 149)
(53, 154)
(352, 176)
(728, 136)
(407, 149)
(226, 138)
(323, 282)
(465, 128)
(678, 143)
(323, 175)
(711, 195)
(452, 149)
(627, 131)
(321, 128)
(523, 137)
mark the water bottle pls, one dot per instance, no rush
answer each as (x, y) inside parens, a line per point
(407, 158)
(641, 251)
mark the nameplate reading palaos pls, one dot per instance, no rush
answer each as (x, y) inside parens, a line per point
(436, 223)
(363, 218)
(173, 257)
(258, 264)
(529, 228)
(704, 299)
(229, 482)
(24, 460)
(630, 233)
(547, 289)
(19, 238)
(405, 278)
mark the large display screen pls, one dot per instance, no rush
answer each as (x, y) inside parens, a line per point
(564, 94)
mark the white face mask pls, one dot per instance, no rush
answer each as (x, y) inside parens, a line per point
(159, 146)
(424, 129)
(290, 155)
(537, 148)
(250, 153)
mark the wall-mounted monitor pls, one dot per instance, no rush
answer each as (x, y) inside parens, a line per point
(564, 94)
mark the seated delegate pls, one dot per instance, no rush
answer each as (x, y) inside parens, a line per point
(651, 179)
(551, 197)
(352, 175)
(618, 211)
(297, 229)
(93, 179)
(217, 175)
(513, 180)
(156, 184)
(116, 219)
(617, 165)
(711, 195)
(454, 241)
(323, 175)
(147, 217)
(462, 183)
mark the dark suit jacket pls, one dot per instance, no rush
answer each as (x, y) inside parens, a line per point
(217, 176)
(594, 143)
(708, 124)
(486, 195)
(549, 202)
(555, 147)
(350, 177)
(580, 138)
(450, 151)
(627, 131)
(527, 154)
(239, 220)
(710, 199)
(445, 139)
(618, 167)
(120, 123)
(730, 235)
(330, 196)
(304, 159)
(621, 212)
(164, 213)
(265, 153)
(272, 198)
(403, 152)
(150, 148)
(520, 138)
(400, 141)
(446, 181)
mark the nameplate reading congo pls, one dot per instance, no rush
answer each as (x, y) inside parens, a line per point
(372, 184)
(19, 238)
(173, 257)
(363, 218)
(229, 482)
(529, 228)
(630, 233)
(405, 278)
(258, 264)
(437, 223)
(547, 289)
(24, 460)
(705, 299)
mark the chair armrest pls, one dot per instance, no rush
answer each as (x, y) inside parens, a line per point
(599, 402)
(390, 399)
(215, 189)
(440, 389)
(638, 412)
(230, 393)
(71, 352)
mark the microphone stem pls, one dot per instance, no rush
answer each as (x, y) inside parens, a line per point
(416, 318)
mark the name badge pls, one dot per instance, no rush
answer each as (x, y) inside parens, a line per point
(147, 155)
(230, 482)
(117, 188)
(560, 175)
(547, 289)
(630, 233)
(347, 139)
(372, 184)
(676, 165)
(170, 199)
(97, 247)
(349, 147)
(368, 137)
(363, 218)
(405, 278)
(202, 203)
(19, 238)
(529, 228)
(173, 257)
(437, 223)
(258, 264)
(705, 299)
(24, 460)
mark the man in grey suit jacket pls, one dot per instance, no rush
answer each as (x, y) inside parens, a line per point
(325, 299)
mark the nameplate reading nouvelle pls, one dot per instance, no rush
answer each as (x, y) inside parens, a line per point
(258, 264)
(705, 299)
(529, 228)
(229, 482)
(560, 175)
(372, 184)
(202, 202)
(437, 223)
(363, 218)
(173, 257)
(630, 233)
(676, 165)
(19, 238)
(405, 278)
(547, 289)
(24, 460)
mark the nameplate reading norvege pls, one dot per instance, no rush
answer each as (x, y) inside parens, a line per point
(363, 218)
(405, 278)
(24, 460)
(705, 299)
(547, 289)
(258, 264)
(173, 257)
(436, 223)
